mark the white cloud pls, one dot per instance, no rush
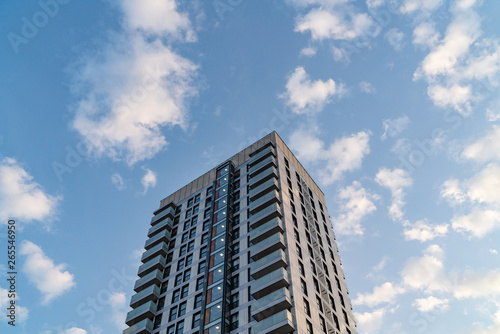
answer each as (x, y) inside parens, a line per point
(117, 181)
(370, 322)
(304, 95)
(411, 6)
(385, 293)
(486, 148)
(492, 116)
(20, 197)
(135, 85)
(148, 180)
(343, 155)
(334, 24)
(423, 231)
(479, 222)
(431, 304)
(484, 187)
(355, 204)
(395, 38)
(73, 330)
(493, 251)
(48, 278)
(367, 87)
(396, 181)
(118, 304)
(452, 192)
(374, 272)
(393, 127)
(459, 63)
(309, 52)
(425, 34)
(426, 272)
(478, 285)
(374, 3)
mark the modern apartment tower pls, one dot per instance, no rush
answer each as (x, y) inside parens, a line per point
(248, 247)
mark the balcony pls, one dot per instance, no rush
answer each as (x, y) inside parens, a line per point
(152, 278)
(255, 169)
(273, 303)
(265, 215)
(268, 264)
(266, 200)
(269, 283)
(163, 236)
(161, 249)
(168, 212)
(263, 189)
(263, 176)
(153, 264)
(265, 230)
(143, 327)
(166, 223)
(280, 323)
(255, 158)
(144, 311)
(267, 246)
(150, 293)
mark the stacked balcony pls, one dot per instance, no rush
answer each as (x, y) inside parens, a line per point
(265, 215)
(264, 188)
(279, 323)
(261, 154)
(152, 292)
(164, 224)
(255, 169)
(155, 263)
(267, 246)
(263, 176)
(264, 201)
(272, 303)
(266, 230)
(141, 313)
(160, 249)
(270, 283)
(163, 236)
(168, 212)
(269, 263)
(154, 277)
(143, 327)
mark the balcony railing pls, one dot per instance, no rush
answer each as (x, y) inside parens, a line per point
(268, 264)
(269, 283)
(167, 212)
(267, 246)
(142, 312)
(271, 304)
(153, 264)
(152, 278)
(162, 236)
(263, 201)
(166, 223)
(279, 323)
(265, 215)
(265, 187)
(255, 158)
(161, 249)
(263, 176)
(265, 230)
(143, 327)
(150, 293)
(264, 163)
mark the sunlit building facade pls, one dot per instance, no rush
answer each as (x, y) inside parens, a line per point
(247, 248)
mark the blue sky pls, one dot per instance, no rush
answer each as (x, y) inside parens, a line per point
(391, 105)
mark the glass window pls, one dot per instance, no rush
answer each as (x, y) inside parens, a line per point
(189, 260)
(182, 309)
(213, 313)
(178, 280)
(216, 275)
(309, 327)
(200, 283)
(190, 202)
(164, 287)
(188, 213)
(187, 275)
(307, 308)
(197, 198)
(182, 250)
(187, 223)
(180, 327)
(185, 291)
(206, 225)
(194, 221)
(173, 313)
(196, 208)
(192, 233)
(197, 300)
(196, 320)
(214, 293)
(185, 236)
(180, 264)
(209, 191)
(203, 252)
(319, 304)
(201, 267)
(161, 303)
(301, 269)
(171, 329)
(206, 214)
(190, 246)
(175, 295)
(303, 286)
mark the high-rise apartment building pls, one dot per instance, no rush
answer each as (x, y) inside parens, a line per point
(246, 248)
